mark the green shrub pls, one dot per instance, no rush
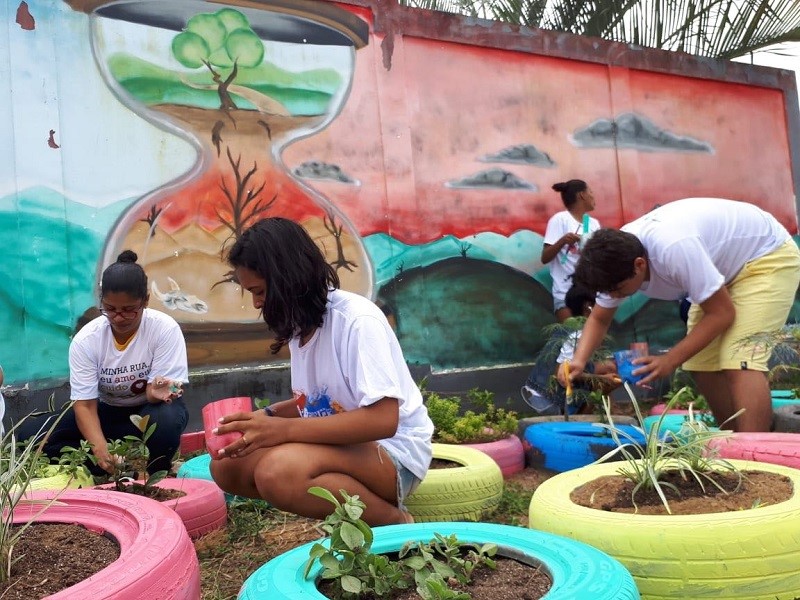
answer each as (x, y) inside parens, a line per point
(487, 425)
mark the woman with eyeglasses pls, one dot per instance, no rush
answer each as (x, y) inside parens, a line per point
(131, 360)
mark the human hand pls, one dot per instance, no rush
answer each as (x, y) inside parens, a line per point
(575, 370)
(258, 431)
(652, 367)
(570, 238)
(105, 460)
(165, 390)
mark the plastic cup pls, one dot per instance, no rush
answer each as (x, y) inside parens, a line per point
(212, 413)
(643, 348)
(625, 366)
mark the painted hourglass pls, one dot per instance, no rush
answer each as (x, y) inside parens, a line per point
(239, 83)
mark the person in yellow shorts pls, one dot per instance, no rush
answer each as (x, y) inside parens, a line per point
(739, 268)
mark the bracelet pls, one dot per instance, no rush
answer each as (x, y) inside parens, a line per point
(269, 412)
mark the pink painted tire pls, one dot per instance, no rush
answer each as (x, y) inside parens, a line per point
(202, 509)
(193, 442)
(776, 448)
(507, 453)
(658, 410)
(157, 558)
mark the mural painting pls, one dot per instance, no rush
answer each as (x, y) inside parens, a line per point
(423, 171)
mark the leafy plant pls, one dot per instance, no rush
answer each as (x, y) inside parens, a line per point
(687, 451)
(19, 465)
(689, 396)
(783, 345)
(127, 453)
(355, 571)
(490, 423)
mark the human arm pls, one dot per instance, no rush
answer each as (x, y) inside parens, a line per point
(169, 367)
(718, 315)
(89, 425)
(592, 335)
(550, 251)
(375, 421)
(1, 376)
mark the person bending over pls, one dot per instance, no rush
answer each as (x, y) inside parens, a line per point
(739, 268)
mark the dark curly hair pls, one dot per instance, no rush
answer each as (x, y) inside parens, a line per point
(607, 260)
(126, 276)
(296, 274)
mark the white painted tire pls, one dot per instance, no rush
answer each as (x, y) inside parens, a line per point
(507, 453)
(741, 555)
(463, 493)
(157, 559)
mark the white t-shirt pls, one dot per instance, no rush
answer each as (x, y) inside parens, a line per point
(97, 370)
(563, 265)
(353, 361)
(696, 245)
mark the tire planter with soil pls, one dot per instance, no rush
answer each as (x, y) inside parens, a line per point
(507, 453)
(157, 558)
(53, 478)
(578, 571)
(775, 448)
(746, 554)
(199, 467)
(561, 446)
(462, 493)
(202, 508)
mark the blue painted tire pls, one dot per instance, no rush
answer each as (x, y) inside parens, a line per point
(199, 467)
(578, 571)
(564, 446)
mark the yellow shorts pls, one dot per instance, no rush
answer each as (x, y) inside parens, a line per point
(763, 293)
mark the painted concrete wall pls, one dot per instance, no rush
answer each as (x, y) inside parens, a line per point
(417, 148)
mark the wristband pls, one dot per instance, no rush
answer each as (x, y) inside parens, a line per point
(269, 412)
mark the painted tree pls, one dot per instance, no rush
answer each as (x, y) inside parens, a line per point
(219, 41)
(715, 28)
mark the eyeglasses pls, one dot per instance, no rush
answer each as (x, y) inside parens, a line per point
(125, 313)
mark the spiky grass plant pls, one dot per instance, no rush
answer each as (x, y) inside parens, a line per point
(20, 463)
(686, 452)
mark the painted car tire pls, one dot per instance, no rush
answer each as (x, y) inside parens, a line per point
(787, 418)
(157, 558)
(460, 494)
(782, 398)
(526, 422)
(507, 453)
(744, 554)
(775, 448)
(202, 509)
(564, 446)
(658, 410)
(578, 571)
(199, 467)
(194, 441)
(54, 479)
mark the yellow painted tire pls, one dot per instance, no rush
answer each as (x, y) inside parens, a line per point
(748, 554)
(463, 493)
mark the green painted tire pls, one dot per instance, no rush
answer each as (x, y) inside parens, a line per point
(742, 555)
(459, 494)
(53, 478)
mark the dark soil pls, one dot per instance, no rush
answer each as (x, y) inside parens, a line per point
(440, 463)
(52, 557)
(756, 488)
(154, 492)
(511, 579)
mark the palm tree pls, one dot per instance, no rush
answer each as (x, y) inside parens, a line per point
(715, 28)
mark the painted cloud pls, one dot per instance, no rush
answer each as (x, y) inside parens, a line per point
(633, 131)
(523, 154)
(492, 178)
(315, 169)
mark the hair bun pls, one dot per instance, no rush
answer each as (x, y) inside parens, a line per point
(127, 256)
(560, 187)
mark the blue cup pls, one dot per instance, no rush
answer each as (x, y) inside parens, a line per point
(625, 366)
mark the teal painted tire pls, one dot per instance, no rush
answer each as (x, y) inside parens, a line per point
(578, 571)
(741, 555)
(199, 467)
(463, 493)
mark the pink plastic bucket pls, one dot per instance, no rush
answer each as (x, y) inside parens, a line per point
(211, 415)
